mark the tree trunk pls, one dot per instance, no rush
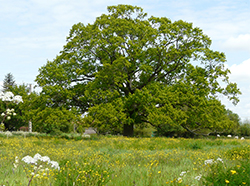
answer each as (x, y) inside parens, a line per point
(128, 130)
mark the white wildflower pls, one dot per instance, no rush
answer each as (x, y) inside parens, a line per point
(3, 114)
(182, 173)
(229, 136)
(15, 164)
(16, 159)
(37, 156)
(45, 159)
(198, 177)
(218, 135)
(242, 138)
(219, 159)
(55, 165)
(236, 137)
(29, 160)
(210, 161)
(179, 180)
(8, 133)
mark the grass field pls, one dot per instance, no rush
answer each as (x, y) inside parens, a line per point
(121, 161)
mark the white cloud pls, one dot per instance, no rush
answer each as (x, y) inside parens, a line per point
(240, 72)
(240, 43)
(220, 19)
(243, 107)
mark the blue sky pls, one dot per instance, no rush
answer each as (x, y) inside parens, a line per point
(34, 31)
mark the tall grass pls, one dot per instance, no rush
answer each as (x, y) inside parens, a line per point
(121, 161)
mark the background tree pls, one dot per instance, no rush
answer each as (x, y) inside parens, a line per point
(140, 70)
(244, 128)
(47, 119)
(8, 82)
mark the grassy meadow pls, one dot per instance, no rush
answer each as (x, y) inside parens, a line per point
(121, 161)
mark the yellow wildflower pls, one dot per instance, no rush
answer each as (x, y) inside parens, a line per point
(233, 171)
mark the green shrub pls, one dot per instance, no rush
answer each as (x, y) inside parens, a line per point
(244, 130)
(144, 132)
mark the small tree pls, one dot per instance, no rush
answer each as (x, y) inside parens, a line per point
(8, 82)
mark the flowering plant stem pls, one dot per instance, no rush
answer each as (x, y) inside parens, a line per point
(32, 176)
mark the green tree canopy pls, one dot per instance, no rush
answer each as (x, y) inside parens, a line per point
(126, 70)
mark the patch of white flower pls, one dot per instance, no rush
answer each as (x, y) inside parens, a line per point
(229, 136)
(15, 164)
(7, 133)
(54, 164)
(179, 180)
(45, 159)
(211, 161)
(219, 159)
(38, 157)
(8, 113)
(198, 177)
(29, 160)
(183, 173)
(9, 96)
(17, 99)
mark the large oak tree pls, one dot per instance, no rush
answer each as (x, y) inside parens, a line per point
(126, 69)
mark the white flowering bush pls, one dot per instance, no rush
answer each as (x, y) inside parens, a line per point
(8, 97)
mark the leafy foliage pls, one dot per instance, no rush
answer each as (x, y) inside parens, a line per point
(126, 70)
